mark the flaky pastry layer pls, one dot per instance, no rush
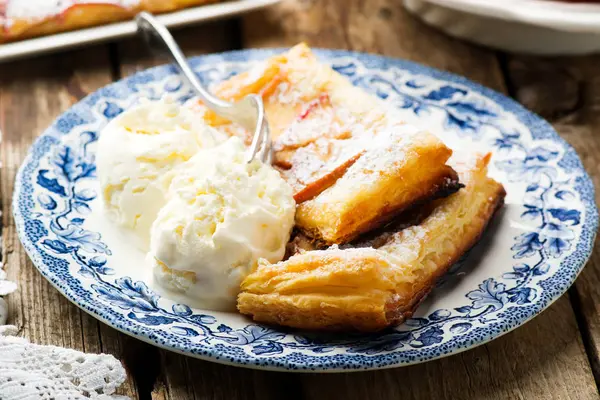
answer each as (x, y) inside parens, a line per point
(369, 289)
(386, 180)
(352, 161)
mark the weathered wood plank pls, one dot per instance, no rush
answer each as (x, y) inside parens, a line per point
(186, 378)
(500, 370)
(32, 94)
(544, 359)
(566, 91)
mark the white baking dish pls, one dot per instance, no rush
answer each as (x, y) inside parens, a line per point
(529, 26)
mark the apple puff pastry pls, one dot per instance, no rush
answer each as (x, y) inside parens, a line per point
(371, 288)
(352, 161)
(393, 175)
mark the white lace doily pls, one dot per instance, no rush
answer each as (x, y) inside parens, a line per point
(30, 371)
(34, 372)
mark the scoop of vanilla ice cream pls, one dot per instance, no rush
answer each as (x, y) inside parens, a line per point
(138, 153)
(221, 217)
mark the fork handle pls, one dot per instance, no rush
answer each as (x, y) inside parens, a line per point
(159, 38)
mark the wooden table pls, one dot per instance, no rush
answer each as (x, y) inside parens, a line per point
(555, 356)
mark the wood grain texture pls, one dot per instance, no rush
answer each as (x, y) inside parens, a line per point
(494, 371)
(32, 94)
(566, 91)
(545, 359)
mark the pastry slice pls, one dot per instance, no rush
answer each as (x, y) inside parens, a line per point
(368, 288)
(396, 172)
(326, 289)
(352, 161)
(320, 122)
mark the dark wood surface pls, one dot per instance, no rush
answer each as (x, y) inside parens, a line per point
(555, 356)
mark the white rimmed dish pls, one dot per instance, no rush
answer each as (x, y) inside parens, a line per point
(528, 26)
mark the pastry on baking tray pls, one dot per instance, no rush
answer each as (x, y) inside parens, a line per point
(370, 288)
(352, 161)
(20, 19)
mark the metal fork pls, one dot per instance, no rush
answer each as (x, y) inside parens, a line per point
(248, 112)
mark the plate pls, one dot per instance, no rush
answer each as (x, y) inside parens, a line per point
(529, 26)
(51, 43)
(531, 254)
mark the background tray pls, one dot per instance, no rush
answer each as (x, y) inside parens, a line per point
(47, 44)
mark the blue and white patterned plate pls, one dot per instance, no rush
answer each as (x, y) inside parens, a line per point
(531, 254)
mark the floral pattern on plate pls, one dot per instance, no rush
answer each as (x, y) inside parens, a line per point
(532, 254)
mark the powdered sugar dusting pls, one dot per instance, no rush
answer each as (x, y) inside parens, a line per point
(255, 73)
(386, 153)
(382, 153)
(327, 139)
(286, 94)
(315, 121)
(228, 129)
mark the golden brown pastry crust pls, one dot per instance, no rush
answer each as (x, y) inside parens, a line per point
(368, 289)
(384, 181)
(355, 291)
(84, 15)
